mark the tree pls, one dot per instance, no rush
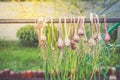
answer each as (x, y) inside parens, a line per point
(97, 6)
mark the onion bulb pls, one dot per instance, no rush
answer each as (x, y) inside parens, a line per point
(42, 37)
(36, 24)
(60, 41)
(91, 42)
(72, 44)
(81, 31)
(76, 37)
(107, 36)
(99, 38)
(67, 41)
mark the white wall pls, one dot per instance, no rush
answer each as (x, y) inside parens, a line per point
(26, 10)
(32, 10)
(8, 31)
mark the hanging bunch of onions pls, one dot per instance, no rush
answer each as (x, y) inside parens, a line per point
(60, 41)
(99, 38)
(81, 31)
(97, 35)
(91, 41)
(40, 31)
(42, 25)
(72, 43)
(76, 37)
(67, 40)
(106, 34)
(36, 24)
(96, 28)
(83, 35)
(43, 37)
(75, 32)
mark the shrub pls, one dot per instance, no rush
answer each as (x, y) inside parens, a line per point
(27, 35)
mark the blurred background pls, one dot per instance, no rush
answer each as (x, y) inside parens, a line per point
(26, 9)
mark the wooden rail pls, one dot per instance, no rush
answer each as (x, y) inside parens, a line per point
(56, 20)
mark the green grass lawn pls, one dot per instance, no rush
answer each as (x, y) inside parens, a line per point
(16, 57)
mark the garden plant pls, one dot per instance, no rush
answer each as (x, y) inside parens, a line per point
(74, 51)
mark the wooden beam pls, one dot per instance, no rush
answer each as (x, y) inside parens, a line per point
(55, 20)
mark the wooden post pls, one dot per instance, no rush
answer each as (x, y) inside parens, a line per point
(56, 20)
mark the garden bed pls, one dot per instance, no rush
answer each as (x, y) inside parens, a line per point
(7, 74)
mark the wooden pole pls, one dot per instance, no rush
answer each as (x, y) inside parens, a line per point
(55, 20)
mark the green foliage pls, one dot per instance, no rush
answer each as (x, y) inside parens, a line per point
(27, 35)
(6, 44)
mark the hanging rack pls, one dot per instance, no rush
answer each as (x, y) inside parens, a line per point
(56, 20)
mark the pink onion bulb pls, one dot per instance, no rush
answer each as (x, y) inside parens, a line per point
(67, 41)
(76, 37)
(36, 24)
(42, 37)
(72, 44)
(60, 41)
(84, 39)
(107, 36)
(81, 31)
(91, 42)
(99, 38)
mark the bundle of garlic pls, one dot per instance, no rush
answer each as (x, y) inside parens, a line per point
(77, 32)
(99, 38)
(72, 30)
(39, 27)
(106, 34)
(60, 40)
(80, 30)
(67, 40)
(92, 41)
(76, 37)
